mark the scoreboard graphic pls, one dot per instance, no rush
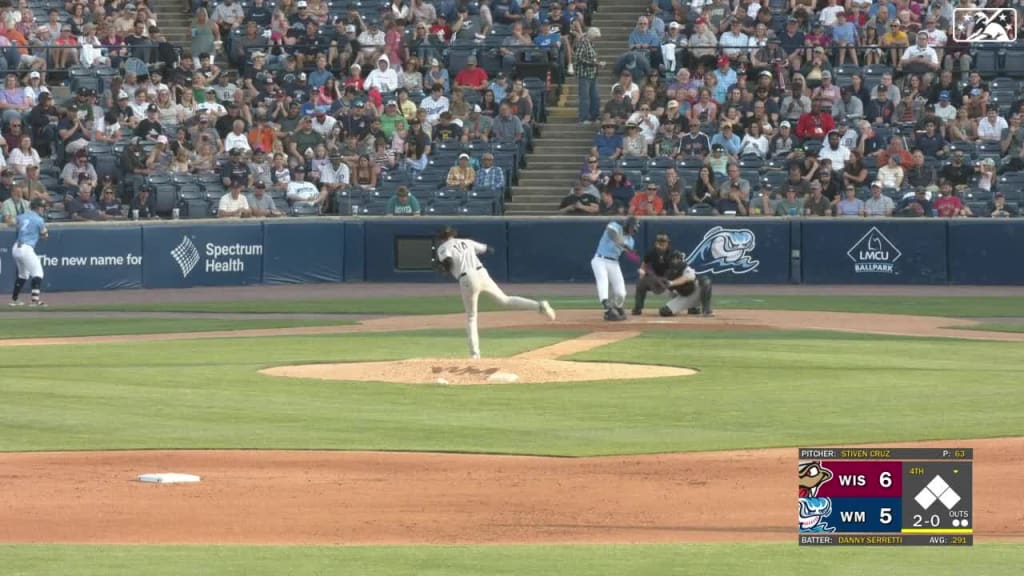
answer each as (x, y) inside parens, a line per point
(885, 496)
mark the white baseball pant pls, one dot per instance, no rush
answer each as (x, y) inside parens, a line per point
(27, 260)
(607, 272)
(679, 303)
(471, 285)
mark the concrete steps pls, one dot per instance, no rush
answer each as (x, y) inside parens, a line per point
(558, 156)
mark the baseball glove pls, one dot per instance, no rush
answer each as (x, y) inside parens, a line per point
(686, 289)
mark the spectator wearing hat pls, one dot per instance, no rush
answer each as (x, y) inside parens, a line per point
(303, 141)
(878, 204)
(472, 76)
(647, 122)
(827, 90)
(782, 143)
(815, 203)
(446, 130)
(392, 120)
(633, 143)
(732, 202)
(462, 175)
(299, 190)
(630, 90)
(234, 204)
(619, 108)
(849, 107)
(476, 126)
(769, 58)
(83, 207)
(607, 144)
(150, 127)
(895, 41)
(261, 204)
(78, 168)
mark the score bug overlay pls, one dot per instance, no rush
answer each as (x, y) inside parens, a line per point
(885, 496)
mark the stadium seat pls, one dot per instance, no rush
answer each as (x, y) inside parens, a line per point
(190, 192)
(979, 209)
(444, 208)
(304, 209)
(701, 210)
(165, 199)
(478, 208)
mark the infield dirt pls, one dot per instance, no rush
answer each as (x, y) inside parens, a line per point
(274, 497)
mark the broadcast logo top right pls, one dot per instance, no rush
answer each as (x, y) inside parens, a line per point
(985, 25)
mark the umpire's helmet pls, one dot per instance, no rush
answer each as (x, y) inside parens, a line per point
(631, 225)
(678, 259)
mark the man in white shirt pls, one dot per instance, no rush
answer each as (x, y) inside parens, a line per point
(920, 58)
(334, 176)
(878, 205)
(835, 151)
(647, 122)
(372, 43)
(734, 42)
(943, 109)
(435, 104)
(211, 106)
(990, 128)
(301, 191)
(322, 123)
(237, 138)
(233, 204)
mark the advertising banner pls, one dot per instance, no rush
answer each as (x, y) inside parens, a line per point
(874, 251)
(81, 258)
(216, 254)
(730, 251)
(986, 252)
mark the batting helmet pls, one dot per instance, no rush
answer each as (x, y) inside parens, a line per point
(631, 225)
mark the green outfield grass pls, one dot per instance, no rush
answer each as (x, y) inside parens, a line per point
(583, 560)
(997, 327)
(14, 327)
(755, 389)
(989, 307)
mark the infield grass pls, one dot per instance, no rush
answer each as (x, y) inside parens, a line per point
(780, 559)
(12, 326)
(753, 390)
(996, 327)
(956, 306)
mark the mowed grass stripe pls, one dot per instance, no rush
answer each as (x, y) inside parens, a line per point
(953, 306)
(793, 389)
(988, 559)
(41, 327)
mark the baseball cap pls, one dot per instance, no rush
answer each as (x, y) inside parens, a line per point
(301, 4)
(876, 184)
(152, 108)
(826, 74)
(391, 103)
(717, 148)
(723, 59)
(944, 95)
(161, 139)
(674, 25)
(122, 95)
(463, 155)
(784, 124)
(33, 74)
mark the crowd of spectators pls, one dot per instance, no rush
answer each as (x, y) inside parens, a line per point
(805, 108)
(293, 106)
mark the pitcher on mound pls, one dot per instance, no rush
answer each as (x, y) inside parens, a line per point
(458, 257)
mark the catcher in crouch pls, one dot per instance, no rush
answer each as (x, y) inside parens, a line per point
(689, 291)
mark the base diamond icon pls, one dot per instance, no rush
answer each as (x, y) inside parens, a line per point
(937, 489)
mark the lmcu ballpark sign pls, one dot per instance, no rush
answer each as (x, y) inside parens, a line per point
(874, 253)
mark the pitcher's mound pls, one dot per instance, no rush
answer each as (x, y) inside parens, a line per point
(463, 372)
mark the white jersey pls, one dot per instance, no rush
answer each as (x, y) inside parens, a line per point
(463, 253)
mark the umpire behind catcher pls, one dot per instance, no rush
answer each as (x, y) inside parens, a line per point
(652, 272)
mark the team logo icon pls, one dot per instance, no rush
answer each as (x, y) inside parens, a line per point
(874, 253)
(814, 509)
(186, 256)
(725, 250)
(984, 25)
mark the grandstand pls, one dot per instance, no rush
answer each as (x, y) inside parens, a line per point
(395, 92)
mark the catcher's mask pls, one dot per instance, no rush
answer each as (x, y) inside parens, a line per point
(631, 225)
(678, 258)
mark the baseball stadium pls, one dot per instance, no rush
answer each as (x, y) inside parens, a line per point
(475, 287)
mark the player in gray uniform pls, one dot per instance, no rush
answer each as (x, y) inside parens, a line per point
(458, 257)
(689, 291)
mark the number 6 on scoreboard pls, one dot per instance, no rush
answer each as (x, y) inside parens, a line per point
(885, 479)
(885, 516)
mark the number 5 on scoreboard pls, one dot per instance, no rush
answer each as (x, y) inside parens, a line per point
(885, 479)
(885, 516)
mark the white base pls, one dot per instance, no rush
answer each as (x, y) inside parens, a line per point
(503, 378)
(168, 478)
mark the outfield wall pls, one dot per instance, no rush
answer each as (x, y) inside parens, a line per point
(182, 254)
